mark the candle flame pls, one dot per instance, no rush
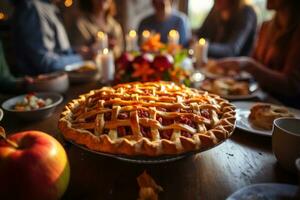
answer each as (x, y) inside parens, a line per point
(100, 35)
(68, 3)
(173, 33)
(2, 16)
(132, 33)
(146, 33)
(202, 41)
(105, 51)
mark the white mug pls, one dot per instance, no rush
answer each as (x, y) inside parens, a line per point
(286, 142)
(298, 169)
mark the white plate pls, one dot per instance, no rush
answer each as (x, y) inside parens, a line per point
(266, 191)
(254, 90)
(241, 76)
(242, 122)
(1, 114)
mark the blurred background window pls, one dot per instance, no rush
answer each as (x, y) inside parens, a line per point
(198, 10)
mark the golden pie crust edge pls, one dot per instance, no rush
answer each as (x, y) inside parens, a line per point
(144, 146)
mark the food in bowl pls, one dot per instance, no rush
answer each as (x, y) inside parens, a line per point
(82, 72)
(32, 114)
(149, 119)
(87, 67)
(32, 102)
(226, 86)
(262, 115)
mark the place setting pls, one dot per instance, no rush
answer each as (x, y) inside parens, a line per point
(258, 117)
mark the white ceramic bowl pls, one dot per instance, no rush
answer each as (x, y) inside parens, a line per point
(286, 142)
(54, 82)
(33, 115)
(298, 169)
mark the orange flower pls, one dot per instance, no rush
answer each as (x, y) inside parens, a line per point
(142, 70)
(173, 48)
(178, 74)
(153, 44)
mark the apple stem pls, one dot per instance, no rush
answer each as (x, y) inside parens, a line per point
(8, 141)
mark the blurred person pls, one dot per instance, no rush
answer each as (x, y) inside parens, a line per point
(275, 63)
(97, 15)
(230, 28)
(164, 19)
(41, 42)
(8, 83)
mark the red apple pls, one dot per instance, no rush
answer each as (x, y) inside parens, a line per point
(163, 62)
(33, 165)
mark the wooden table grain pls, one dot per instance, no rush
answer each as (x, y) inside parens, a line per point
(241, 160)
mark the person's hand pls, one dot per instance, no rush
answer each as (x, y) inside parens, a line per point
(28, 80)
(22, 83)
(236, 64)
(86, 52)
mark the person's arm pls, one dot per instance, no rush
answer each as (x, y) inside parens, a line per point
(119, 46)
(39, 43)
(8, 83)
(238, 38)
(79, 35)
(286, 82)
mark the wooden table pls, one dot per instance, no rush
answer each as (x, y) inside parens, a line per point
(242, 160)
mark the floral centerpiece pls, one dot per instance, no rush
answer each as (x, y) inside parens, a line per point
(155, 61)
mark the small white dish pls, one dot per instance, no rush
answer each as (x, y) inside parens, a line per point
(265, 191)
(53, 82)
(242, 122)
(33, 115)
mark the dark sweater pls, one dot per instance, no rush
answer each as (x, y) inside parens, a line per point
(7, 81)
(234, 37)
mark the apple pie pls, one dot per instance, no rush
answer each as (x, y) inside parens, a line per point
(262, 115)
(148, 119)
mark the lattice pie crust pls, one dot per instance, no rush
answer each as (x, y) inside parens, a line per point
(149, 119)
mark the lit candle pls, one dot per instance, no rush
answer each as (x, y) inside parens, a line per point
(131, 41)
(68, 3)
(173, 37)
(200, 52)
(2, 16)
(102, 40)
(105, 62)
(145, 35)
